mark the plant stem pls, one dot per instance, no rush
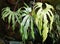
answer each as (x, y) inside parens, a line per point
(15, 5)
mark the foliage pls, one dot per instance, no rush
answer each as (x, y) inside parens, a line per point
(12, 16)
(27, 17)
(41, 19)
(27, 22)
(55, 33)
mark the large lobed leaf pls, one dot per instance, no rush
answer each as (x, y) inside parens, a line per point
(11, 16)
(41, 18)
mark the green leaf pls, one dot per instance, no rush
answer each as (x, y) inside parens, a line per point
(5, 15)
(26, 28)
(9, 18)
(23, 15)
(17, 18)
(26, 5)
(13, 22)
(32, 28)
(24, 20)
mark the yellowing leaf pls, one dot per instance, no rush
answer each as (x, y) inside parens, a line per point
(41, 19)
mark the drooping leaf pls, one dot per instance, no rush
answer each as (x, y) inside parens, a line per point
(9, 19)
(45, 28)
(13, 22)
(41, 19)
(32, 28)
(11, 16)
(25, 19)
(26, 28)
